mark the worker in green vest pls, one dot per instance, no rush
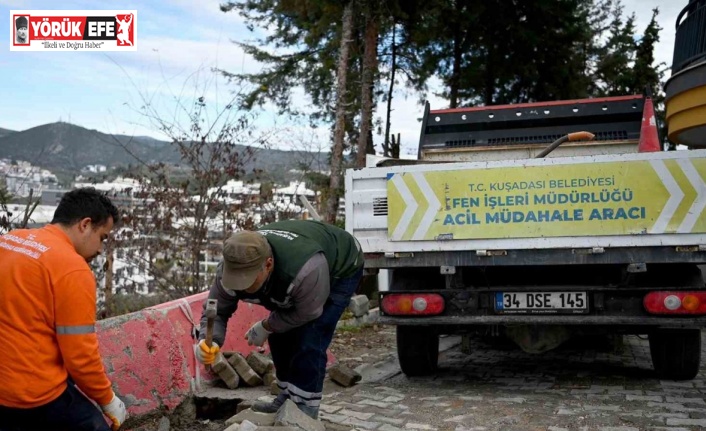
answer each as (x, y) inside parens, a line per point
(305, 273)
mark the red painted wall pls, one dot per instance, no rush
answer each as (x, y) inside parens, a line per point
(149, 354)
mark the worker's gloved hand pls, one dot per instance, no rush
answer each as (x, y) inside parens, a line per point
(257, 334)
(115, 410)
(206, 355)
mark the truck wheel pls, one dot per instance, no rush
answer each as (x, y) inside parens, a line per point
(417, 350)
(676, 353)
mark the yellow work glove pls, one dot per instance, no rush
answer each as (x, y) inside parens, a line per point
(116, 412)
(206, 355)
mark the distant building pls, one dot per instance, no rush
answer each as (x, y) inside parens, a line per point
(21, 185)
(119, 185)
(21, 177)
(94, 169)
(121, 191)
(237, 193)
(289, 195)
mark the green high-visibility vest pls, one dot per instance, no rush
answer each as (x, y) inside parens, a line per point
(293, 242)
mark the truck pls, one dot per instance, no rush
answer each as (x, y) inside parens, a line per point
(538, 222)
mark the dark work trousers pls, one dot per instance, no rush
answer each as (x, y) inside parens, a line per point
(72, 411)
(299, 354)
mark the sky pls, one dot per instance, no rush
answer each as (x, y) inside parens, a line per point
(179, 42)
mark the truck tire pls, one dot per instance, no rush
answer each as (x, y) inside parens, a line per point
(417, 350)
(676, 353)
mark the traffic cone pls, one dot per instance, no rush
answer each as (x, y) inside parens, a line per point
(649, 139)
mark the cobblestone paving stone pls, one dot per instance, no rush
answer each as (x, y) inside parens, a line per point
(502, 388)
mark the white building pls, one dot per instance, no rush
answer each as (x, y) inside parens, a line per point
(294, 189)
(95, 169)
(21, 185)
(129, 277)
(22, 177)
(237, 192)
(120, 185)
(121, 191)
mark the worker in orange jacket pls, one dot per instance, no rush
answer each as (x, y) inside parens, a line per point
(49, 346)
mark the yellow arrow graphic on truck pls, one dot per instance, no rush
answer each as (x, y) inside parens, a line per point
(420, 206)
(575, 199)
(689, 195)
(699, 202)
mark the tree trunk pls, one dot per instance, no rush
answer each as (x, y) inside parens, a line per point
(340, 127)
(489, 77)
(370, 55)
(387, 151)
(455, 81)
(108, 287)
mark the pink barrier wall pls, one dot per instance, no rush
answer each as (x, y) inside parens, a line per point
(148, 354)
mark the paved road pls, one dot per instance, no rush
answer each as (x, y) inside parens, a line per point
(579, 387)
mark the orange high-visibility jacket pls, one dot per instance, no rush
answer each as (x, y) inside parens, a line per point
(47, 320)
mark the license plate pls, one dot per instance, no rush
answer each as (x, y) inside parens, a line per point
(541, 302)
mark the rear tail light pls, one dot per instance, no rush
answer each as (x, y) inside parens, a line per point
(675, 302)
(413, 304)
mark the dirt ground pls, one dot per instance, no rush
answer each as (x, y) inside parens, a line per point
(356, 346)
(352, 346)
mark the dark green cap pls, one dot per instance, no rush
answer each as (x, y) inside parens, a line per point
(244, 254)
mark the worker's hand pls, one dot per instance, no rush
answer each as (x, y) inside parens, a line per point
(206, 355)
(115, 410)
(257, 334)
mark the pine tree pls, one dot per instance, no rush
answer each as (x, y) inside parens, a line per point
(308, 32)
(647, 74)
(500, 51)
(614, 67)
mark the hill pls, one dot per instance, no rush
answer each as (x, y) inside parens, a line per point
(67, 147)
(5, 132)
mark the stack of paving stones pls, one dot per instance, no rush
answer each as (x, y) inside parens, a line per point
(258, 369)
(359, 308)
(255, 370)
(359, 305)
